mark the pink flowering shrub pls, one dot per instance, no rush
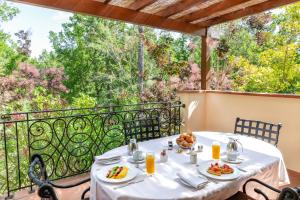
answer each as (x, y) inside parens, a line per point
(158, 92)
(162, 90)
(219, 80)
(23, 81)
(28, 70)
(192, 80)
(53, 80)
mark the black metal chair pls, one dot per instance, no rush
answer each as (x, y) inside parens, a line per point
(287, 193)
(262, 130)
(38, 174)
(142, 129)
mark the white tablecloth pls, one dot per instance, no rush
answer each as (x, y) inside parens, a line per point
(261, 160)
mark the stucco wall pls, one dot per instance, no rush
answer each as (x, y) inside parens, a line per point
(219, 111)
(194, 112)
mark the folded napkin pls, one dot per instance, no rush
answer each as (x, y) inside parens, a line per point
(102, 159)
(193, 180)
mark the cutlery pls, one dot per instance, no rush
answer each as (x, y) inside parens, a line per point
(241, 169)
(129, 183)
(97, 158)
(107, 159)
(138, 167)
(208, 179)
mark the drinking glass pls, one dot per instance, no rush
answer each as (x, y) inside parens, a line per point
(132, 146)
(216, 150)
(150, 163)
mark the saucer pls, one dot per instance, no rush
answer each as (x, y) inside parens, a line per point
(237, 161)
(136, 161)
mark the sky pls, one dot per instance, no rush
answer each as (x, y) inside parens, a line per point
(39, 21)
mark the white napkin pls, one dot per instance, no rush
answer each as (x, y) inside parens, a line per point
(193, 180)
(102, 159)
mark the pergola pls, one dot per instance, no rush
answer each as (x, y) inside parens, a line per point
(185, 16)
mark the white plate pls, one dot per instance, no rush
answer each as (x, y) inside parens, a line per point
(202, 169)
(136, 161)
(237, 161)
(101, 174)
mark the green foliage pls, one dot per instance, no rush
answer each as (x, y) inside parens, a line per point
(98, 57)
(263, 53)
(47, 59)
(9, 55)
(277, 72)
(43, 100)
(84, 101)
(7, 12)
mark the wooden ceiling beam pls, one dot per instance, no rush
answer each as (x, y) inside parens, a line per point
(100, 9)
(140, 4)
(205, 12)
(258, 8)
(179, 7)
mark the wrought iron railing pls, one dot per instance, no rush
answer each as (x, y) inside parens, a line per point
(69, 139)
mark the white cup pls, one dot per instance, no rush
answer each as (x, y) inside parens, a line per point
(138, 155)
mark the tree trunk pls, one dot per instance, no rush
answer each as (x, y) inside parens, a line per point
(141, 59)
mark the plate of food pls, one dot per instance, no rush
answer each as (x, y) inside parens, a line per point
(117, 174)
(219, 171)
(186, 140)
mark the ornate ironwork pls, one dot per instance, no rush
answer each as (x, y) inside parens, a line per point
(142, 129)
(69, 139)
(38, 174)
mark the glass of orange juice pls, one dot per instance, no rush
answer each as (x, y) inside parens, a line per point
(216, 150)
(150, 163)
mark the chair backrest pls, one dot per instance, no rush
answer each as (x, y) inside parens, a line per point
(289, 194)
(142, 129)
(38, 175)
(261, 130)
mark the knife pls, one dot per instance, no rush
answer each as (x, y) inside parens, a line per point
(241, 169)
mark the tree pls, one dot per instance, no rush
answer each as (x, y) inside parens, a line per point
(7, 12)
(260, 53)
(27, 84)
(141, 59)
(24, 42)
(8, 55)
(99, 58)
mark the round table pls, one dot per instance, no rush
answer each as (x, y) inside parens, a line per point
(260, 160)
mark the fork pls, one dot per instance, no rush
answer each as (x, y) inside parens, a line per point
(128, 183)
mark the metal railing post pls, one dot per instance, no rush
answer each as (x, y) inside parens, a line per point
(31, 190)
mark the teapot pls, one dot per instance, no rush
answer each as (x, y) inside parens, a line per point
(233, 149)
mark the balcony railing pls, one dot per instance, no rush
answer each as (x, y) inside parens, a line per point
(69, 139)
